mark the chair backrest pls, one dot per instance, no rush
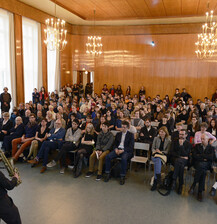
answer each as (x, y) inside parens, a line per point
(142, 146)
(154, 124)
(114, 132)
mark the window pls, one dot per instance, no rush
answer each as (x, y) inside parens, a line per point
(5, 75)
(30, 56)
(51, 70)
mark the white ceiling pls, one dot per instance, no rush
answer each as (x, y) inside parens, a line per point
(49, 7)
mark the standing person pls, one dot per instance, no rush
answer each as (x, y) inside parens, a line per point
(5, 99)
(8, 211)
(35, 96)
(43, 96)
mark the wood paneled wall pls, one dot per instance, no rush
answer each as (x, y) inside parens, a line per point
(131, 60)
(128, 58)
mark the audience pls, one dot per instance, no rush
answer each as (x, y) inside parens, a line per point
(90, 118)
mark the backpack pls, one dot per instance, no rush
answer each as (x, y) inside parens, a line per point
(116, 169)
(166, 186)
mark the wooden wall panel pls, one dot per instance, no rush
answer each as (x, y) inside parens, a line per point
(130, 60)
(44, 58)
(19, 58)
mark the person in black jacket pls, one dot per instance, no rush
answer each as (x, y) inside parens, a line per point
(179, 156)
(147, 133)
(5, 125)
(5, 99)
(202, 159)
(123, 148)
(15, 132)
(8, 211)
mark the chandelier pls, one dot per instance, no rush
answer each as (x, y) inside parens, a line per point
(207, 40)
(55, 33)
(94, 45)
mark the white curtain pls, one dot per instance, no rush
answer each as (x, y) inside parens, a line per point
(30, 56)
(40, 81)
(51, 69)
(6, 52)
(12, 60)
(57, 72)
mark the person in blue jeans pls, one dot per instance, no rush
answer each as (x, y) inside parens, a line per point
(123, 148)
(54, 141)
(161, 145)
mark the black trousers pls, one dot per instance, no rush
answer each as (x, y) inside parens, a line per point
(200, 175)
(179, 166)
(67, 146)
(8, 211)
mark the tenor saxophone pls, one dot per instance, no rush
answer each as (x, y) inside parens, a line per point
(11, 170)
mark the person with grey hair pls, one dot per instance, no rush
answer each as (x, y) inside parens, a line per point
(15, 132)
(203, 155)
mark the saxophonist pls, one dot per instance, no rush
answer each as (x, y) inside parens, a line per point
(8, 211)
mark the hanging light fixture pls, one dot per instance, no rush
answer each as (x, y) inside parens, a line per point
(55, 33)
(94, 45)
(207, 40)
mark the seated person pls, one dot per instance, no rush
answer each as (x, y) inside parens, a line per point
(213, 127)
(110, 118)
(26, 139)
(203, 154)
(123, 148)
(161, 145)
(170, 120)
(5, 125)
(192, 128)
(54, 141)
(147, 133)
(15, 132)
(164, 122)
(119, 121)
(175, 134)
(98, 128)
(26, 117)
(72, 140)
(203, 128)
(85, 149)
(85, 123)
(179, 155)
(40, 137)
(103, 145)
(137, 122)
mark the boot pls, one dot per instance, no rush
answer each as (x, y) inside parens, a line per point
(200, 196)
(78, 169)
(173, 185)
(158, 179)
(154, 186)
(179, 189)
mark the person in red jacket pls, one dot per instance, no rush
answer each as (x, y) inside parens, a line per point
(43, 95)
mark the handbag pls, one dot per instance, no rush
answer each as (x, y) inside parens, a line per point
(161, 155)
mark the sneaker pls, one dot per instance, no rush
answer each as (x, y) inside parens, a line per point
(99, 177)
(62, 171)
(51, 164)
(71, 167)
(89, 174)
(212, 192)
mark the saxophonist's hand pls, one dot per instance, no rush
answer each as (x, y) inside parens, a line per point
(16, 176)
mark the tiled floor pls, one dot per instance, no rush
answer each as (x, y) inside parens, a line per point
(52, 198)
